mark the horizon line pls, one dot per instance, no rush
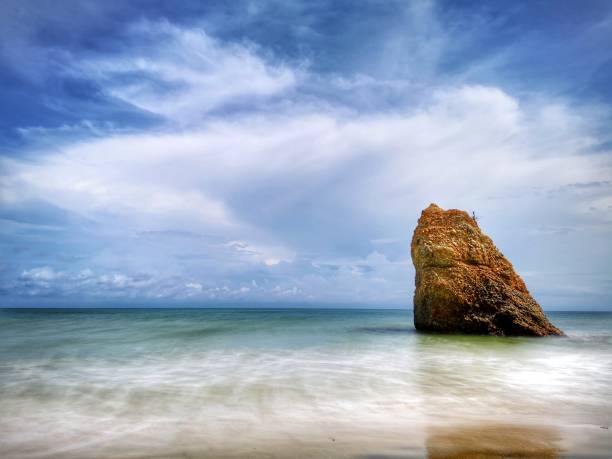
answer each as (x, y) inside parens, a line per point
(259, 307)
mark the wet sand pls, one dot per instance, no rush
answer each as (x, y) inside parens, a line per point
(459, 441)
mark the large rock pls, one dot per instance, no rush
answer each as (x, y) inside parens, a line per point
(465, 285)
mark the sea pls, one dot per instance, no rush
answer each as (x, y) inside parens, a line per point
(299, 383)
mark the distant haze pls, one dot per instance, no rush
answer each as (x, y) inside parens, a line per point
(265, 152)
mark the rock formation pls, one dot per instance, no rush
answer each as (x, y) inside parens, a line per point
(465, 285)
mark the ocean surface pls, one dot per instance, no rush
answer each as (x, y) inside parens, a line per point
(202, 383)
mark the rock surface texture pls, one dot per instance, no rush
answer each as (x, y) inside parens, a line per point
(465, 285)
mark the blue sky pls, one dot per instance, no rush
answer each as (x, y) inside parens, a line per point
(279, 152)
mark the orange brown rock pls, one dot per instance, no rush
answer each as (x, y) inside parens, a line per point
(465, 285)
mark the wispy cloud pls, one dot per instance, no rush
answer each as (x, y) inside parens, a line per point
(182, 73)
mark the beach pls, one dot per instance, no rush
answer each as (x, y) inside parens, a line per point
(195, 383)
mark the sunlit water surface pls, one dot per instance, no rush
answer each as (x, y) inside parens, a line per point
(296, 383)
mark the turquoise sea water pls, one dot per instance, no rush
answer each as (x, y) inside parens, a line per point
(296, 383)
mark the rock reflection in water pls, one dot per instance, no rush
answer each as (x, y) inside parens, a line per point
(492, 442)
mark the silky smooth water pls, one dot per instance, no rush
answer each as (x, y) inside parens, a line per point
(296, 383)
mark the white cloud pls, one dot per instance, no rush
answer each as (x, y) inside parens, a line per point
(270, 256)
(181, 72)
(195, 286)
(467, 144)
(271, 261)
(43, 275)
(470, 147)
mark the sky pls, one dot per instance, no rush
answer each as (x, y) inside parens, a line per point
(280, 152)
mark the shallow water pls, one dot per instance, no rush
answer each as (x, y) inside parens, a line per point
(296, 383)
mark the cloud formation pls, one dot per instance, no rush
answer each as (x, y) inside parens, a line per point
(181, 73)
(262, 181)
